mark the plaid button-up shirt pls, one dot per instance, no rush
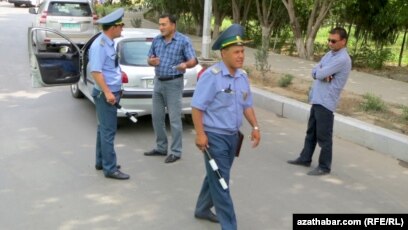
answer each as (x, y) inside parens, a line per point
(171, 54)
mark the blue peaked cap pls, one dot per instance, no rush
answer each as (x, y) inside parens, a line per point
(231, 36)
(112, 18)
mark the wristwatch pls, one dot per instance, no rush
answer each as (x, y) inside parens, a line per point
(256, 128)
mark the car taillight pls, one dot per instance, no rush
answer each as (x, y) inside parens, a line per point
(201, 72)
(43, 17)
(95, 18)
(125, 78)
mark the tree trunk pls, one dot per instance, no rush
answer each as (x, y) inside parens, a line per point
(300, 46)
(266, 33)
(319, 12)
(238, 7)
(199, 29)
(402, 47)
(247, 5)
(219, 16)
(236, 11)
(294, 23)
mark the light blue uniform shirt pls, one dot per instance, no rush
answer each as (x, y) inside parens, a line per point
(223, 98)
(171, 54)
(336, 64)
(102, 55)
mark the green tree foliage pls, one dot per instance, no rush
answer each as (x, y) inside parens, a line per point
(306, 17)
(375, 24)
(221, 9)
(271, 14)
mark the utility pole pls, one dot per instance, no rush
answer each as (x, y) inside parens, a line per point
(205, 48)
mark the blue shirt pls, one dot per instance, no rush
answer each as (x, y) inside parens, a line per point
(171, 54)
(335, 64)
(102, 58)
(222, 98)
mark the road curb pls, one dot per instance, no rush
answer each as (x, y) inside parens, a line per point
(359, 132)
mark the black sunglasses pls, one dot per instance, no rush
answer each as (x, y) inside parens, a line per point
(333, 41)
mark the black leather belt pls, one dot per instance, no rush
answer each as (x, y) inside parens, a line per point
(168, 78)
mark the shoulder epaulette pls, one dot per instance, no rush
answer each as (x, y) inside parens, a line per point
(102, 42)
(215, 70)
(244, 71)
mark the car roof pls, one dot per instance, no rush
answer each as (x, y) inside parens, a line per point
(74, 1)
(138, 33)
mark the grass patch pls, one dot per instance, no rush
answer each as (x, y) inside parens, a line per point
(285, 81)
(405, 113)
(373, 103)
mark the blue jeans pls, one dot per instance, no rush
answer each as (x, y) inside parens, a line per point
(106, 115)
(168, 94)
(222, 149)
(319, 130)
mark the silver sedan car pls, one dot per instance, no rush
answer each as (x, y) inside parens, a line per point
(68, 65)
(75, 18)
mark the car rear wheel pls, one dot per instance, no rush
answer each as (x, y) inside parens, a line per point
(76, 92)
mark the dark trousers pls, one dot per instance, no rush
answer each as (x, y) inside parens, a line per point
(319, 130)
(222, 149)
(106, 115)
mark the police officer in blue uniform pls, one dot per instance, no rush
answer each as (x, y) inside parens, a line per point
(221, 99)
(105, 70)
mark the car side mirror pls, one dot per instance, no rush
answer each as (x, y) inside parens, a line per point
(33, 10)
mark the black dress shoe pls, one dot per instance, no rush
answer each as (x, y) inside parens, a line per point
(299, 162)
(154, 152)
(171, 158)
(118, 175)
(210, 217)
(97, 167)
(318, 172)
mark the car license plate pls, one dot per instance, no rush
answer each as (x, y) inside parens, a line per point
(149, 84)
(70, 27)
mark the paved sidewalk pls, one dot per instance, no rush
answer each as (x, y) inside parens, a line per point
(359, 83)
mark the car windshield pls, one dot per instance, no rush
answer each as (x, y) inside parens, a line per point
(134, 52)
(72, 9)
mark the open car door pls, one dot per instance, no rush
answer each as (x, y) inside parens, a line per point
(55, 65)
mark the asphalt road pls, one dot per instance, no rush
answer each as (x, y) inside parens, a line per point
(48, 180)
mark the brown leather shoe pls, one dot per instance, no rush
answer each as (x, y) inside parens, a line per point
(171, 158)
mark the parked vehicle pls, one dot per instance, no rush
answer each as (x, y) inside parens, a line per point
(74, 18)
(69, 66)
(18, 3)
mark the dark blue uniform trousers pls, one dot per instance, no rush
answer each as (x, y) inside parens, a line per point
(105, 137)
(222, 149)
(319, 130)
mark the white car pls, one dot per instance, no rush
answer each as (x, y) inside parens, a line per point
(69, 66)
(74, 18)
(18, 3)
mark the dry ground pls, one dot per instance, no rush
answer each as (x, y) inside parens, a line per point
(350, 104)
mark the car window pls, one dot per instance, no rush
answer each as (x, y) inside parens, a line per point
(69, 9)
(134, 52)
